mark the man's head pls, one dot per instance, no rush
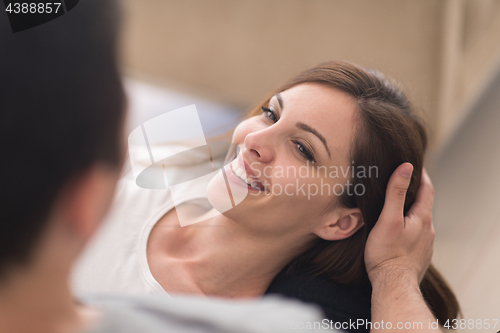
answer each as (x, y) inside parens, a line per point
(62, 114)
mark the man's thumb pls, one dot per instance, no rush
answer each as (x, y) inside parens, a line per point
(396, 193)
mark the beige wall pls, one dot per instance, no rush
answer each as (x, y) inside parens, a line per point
(237, 51)
(471, 52)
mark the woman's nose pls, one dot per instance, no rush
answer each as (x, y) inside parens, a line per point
(260, 146)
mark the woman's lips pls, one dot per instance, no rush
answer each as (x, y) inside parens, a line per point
(240, 173)
(233, 178)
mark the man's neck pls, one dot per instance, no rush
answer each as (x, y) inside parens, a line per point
(33, 299)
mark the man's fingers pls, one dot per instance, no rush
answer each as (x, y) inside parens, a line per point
(396, 194)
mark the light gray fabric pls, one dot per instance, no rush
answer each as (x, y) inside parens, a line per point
(189, 314)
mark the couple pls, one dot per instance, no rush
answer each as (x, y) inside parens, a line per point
(64, 106)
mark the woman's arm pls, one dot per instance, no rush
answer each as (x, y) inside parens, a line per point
(398, 252)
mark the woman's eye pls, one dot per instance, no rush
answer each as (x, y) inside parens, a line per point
(270, 114)
(304, 152)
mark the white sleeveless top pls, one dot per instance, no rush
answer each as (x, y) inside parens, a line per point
(115, 260)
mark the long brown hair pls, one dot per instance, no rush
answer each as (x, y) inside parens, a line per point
(390, 134)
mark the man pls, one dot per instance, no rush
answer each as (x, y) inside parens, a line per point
(63, 110)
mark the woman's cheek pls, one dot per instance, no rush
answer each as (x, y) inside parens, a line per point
(240, 132)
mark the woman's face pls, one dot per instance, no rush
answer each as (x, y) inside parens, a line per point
(294, 161)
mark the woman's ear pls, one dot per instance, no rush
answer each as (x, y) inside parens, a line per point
(340, 226)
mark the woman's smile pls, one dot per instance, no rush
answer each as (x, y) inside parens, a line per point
(240, 170)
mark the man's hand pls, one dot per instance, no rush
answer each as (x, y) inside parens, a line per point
(401, 244)
(398, 252)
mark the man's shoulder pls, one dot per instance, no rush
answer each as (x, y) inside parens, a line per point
(155, 313)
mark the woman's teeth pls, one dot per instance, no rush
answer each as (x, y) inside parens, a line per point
(241, 173)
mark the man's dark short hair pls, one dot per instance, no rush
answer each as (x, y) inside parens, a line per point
(62, 110)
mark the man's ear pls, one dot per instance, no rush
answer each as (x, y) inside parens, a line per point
(341, 225)
(88, 198)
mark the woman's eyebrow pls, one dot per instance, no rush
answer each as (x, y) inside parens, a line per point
(280, 100)
(306, 128)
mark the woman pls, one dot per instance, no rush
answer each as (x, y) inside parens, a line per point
(346, 129)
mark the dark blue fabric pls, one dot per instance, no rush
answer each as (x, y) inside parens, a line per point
(340, 303)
